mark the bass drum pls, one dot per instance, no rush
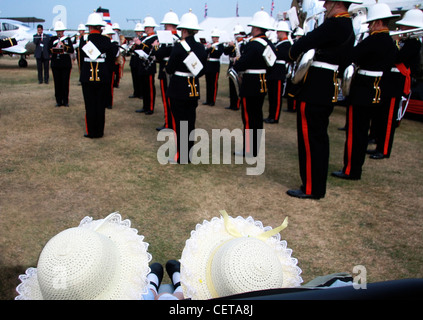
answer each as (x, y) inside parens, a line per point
(302, 65)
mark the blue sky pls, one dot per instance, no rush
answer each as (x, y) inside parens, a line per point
(77, 11)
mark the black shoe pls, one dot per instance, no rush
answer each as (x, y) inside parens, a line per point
(377, 155)
(342, 129)
(149, 112)
(269, 120)
(173, 266)
(86, 135)
(58, 105)
(157, 269)
(160, 128)
(371, 151)
(301, 195)
(66, 105)
(206, 103)
(109, 107)
(46, 82)
(140, 111)
(211, 104)
(342, 175)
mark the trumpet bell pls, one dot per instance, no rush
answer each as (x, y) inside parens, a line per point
(347, 79)
(302, 66)
(236, 79)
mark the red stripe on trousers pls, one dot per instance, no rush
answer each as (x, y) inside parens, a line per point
(247, 126)
(304, 127)
(278, 106)
(215, 87)
(389, 127)
(349, 140)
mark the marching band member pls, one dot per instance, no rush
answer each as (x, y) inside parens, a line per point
(254, 87)
(374, 56)
(81, 33)
(135, 63)
(184, 85)
(109, 32)
(214, 51)
(98, 55)
(148, 69)
(170, 22)
(277, 76)
(332, 40)
(61, 64)
(234, 51)
(116, 37)
(398, 82)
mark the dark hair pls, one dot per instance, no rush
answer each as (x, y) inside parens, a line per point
(40, 26)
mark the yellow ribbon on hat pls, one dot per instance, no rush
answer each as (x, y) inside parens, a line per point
(231, 229)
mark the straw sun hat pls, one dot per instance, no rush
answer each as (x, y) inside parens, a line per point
(100, 259)
(226, 256)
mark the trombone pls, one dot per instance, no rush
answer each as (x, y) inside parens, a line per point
(411, 33)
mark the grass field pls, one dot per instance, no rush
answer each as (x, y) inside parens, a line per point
(51, 177)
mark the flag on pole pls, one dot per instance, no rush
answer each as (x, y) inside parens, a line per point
(205, 11)
(237, 9)
(273, 7)
(106, 15)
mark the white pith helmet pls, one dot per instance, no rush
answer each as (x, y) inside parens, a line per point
(81, 27)
(59, 26)
(108, 30)
(115, 26)
(95, 19)
(261, 19)
(189, 21)
(149, 22)
(170, 18)
(283, 26)
(215, 33)
(139, 27)
(299, 32)
(238, 29)
(412, 18)
(379, 11)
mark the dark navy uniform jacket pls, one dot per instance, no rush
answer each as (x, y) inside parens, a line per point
(377, 52)
(213, 61)
(61, 60)
(333, 42)
(99, 70)
(252, 63)
(181, 87)
(278, 72)
(162, 55)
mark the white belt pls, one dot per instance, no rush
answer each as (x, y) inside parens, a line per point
(166, 59)
(395, 69)
(255, 71)
(280, 61)
(184, 74)
(99, 60)
(213, 59)
(325, 65)
(370, 73)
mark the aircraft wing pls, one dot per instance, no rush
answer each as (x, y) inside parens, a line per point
(23, 47)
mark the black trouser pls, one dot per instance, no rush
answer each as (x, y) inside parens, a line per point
(212, 80)
(386, 125)
(183, 111)
(235, 101)
(43, 65)
(252, 118)
(61, 84)
(136, 82)
(166, 104)
(357, 138)
(96, 95)
(275, 91)
(148, 91)
(313, 146)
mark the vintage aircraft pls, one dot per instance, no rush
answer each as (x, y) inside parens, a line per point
(23, 33)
